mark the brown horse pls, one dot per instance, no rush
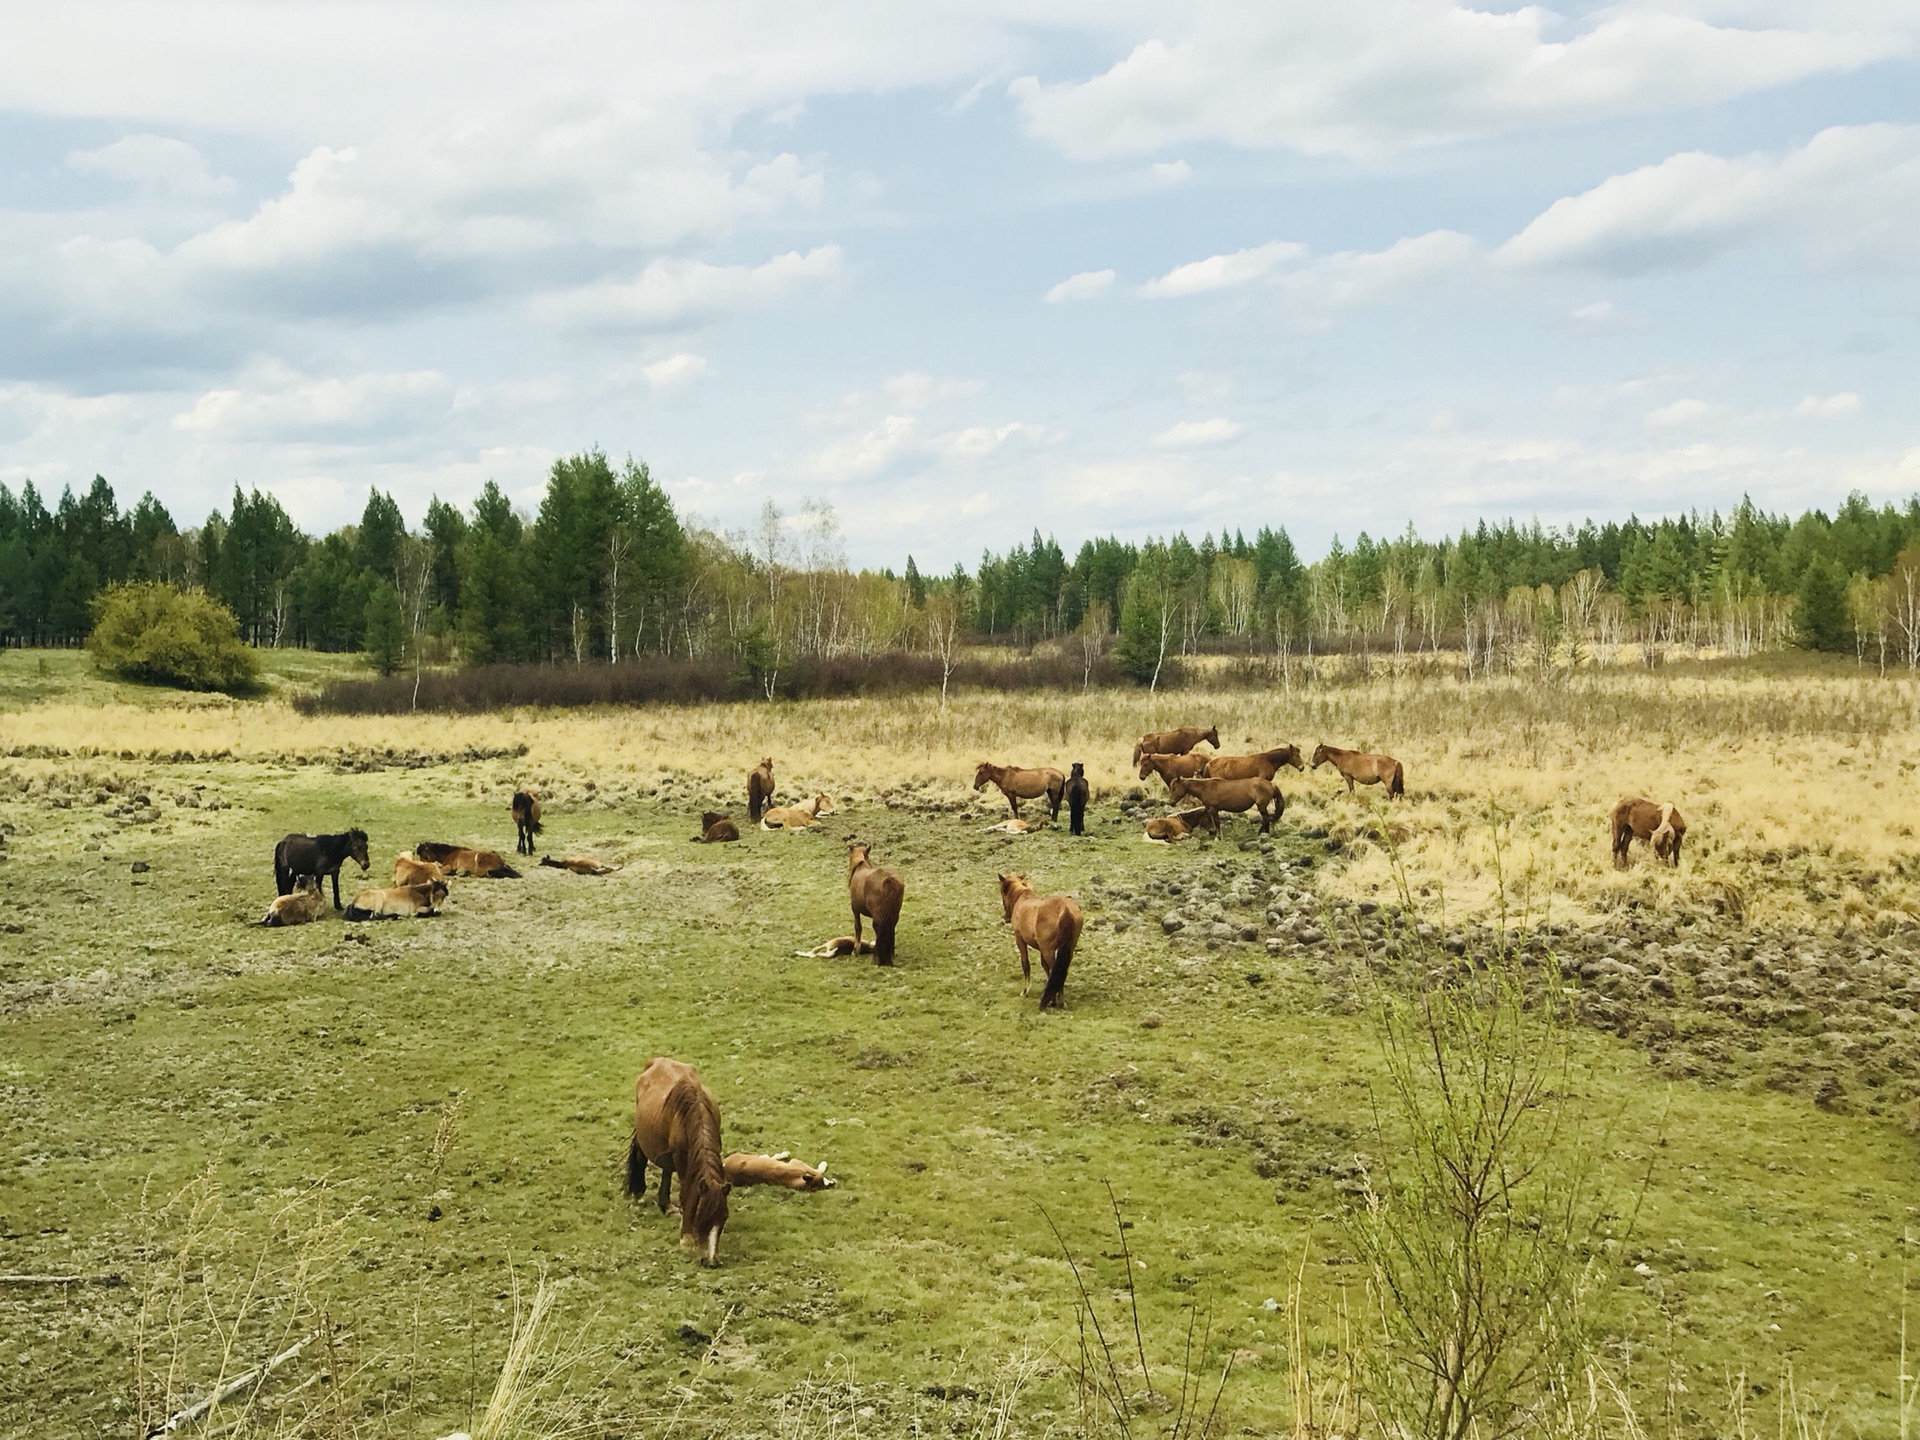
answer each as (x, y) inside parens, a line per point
(579, 865)
(526, 820)
(465, 860)
(676, 1125)
(1078, 793)
(1168, 828)
(1172, 767)
(398, 902)
(1363, 767)
(715, 828)
(833, 949)
(876, 894)
(1234, 795)
(306, 903)
(1660, 825)
(759, 788)
(1265, 764)
(797, 817)
(1051, 924)
(1175, 742)
(1019, 783)
(782, 1170)
(409, 871)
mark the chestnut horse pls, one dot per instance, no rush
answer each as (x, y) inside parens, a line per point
(465, 860)
(676, 1125)
(1660, 825)
(876, 894)
(797, 817)
(303, 905)
(1176, 742)
(782, 1170)
(526, 820)
(409, 871)
(1265, 764)
(1234, 795)
(1019, 783)
(1172, 767)
(1363, 767)
(759, 788)
(398, 902)
(1168, 828)
(1051, 924)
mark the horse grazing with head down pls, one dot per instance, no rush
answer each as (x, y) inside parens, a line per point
(1265, 764)
(318, 856)
(759, 788)
(1172, 767)
(1175, 742)
(876, 894)
(1233, 795)
(1051, 924)
(676, 1125)
(1363, 767)
(526, 820)
(1018, 783)
(1659, 824)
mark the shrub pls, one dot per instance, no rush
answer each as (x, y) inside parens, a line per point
(165, 636)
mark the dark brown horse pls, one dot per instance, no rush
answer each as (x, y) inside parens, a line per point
(1051, 924)
(1233, 795)
(876, 894)
(1175, 742)
(318, 856)
(1265, 764)
(1660, 825)
(676, 1125)
(1018, 782)
(716, 828)
(1172, 767)
(1078, 793)
(759, 788)
(1363, 767)
(526, 820)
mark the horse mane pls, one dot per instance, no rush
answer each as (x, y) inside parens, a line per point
(703, 1180)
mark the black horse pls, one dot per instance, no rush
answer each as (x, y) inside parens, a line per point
(1077, 799)
(318, 856)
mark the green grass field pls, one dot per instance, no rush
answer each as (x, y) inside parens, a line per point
(455, 1094)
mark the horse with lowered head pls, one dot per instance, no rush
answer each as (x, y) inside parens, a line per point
(876, 894)
(1020, 782)
(1175, 742)
(1363, 767)
(1265, 764)
(1657, 823)
(1172, 767)
(1252, 793)
(676, 1125)
(526, 820)
(318, 856)
(1051, 924)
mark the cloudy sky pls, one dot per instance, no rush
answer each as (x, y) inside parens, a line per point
(967, 268)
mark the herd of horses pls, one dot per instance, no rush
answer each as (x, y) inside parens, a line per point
(676, 1124)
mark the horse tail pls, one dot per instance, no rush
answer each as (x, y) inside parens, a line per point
(356, 912)
(1056, 791)
(883, 936)
(636, 1168)
(1397, 785)
(506, 872)
(1062, 958)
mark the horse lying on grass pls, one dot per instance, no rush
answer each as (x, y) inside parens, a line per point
(835, 948)
(797, 817)
(1660, 825)
(716, 828)
(578, 865)
(465, 860)
(1168, 828)
(526, 820)
(676, 1125)
(876, 894)
(1363, 767)
(306, 903)
(1051, 924)
(399, 902)
(1175, 742)
(1233, 795)
(409, 871)
(318, 856)
(782, 1170)
(1019, 783)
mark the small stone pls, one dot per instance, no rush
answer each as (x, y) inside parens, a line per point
(1367, 907)
(1151, 1020)
(140, 867)
(1171, 923)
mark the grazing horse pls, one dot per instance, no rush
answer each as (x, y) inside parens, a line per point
(1077, 794)
(1659, 824)
(1019, 783)
(796, 817)
(1172, 767)
(409, 871)
(304, 904)
(578, 865)
(1050, 924)
(1265, 764)
(676, 1125)
(318, 856)
(1175, 742)
(1235, 795)
(465, 860)
(759, 788)
(1365, 768)
(399, 902)
(876, 894)
(1168, 828)
(782, 1170)
(526, 820)
(715, 828)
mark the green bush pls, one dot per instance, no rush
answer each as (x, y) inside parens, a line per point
(166, 636)
(386, 632)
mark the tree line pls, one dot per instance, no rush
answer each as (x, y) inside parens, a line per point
(605, 569)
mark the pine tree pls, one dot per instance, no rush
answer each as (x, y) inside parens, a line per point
(386, 636)
(1820, 608)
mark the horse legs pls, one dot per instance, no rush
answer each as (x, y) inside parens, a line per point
(336, 887)
(1349, 785)
(856, 932)
(1013, 801)
(1055, 794)
(1026, 970)
(666, 1182)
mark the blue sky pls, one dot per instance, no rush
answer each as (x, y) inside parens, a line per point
(967, 269)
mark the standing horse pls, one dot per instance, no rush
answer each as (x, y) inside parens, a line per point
(1051, 924)
(676, 1125)
(876, 894)
(1078, 793)
(759, 788)
(526, 820)
(318, 856)
(1265, 764)
(1019, 783)
(1363, 767)
(1175, 742)
(1235, 795)
(1172, 767)
(1659, 824)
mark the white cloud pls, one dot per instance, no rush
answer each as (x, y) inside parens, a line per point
(1223, 272)
(1087, 285)
(673, 293)
(1366, 76)
(859, 456)
(1347, 277)
(1852, 193)
(1603, 317)
(1684, 411)
(155, 163)
(281, 407)
(1828, 407)
(1170, 172)
(677, 369)
(1198, 434)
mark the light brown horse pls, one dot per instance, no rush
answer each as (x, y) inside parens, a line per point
(307, 902)
(398, 902)
(409, 871)
(1660, 825)
(716, 828)
(1265, 764)
(1172, 767)
(1175, 742)
(759, 788)
(797, 817)
(1019, 783)
(465, 860)
(1362, 767)
(1233, 795)
(782, 1170)
(676, 1125)
(579, 865)
(1166, 829)
(526, 820)
(876, 894)
(1050, 924)
(833, 949)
